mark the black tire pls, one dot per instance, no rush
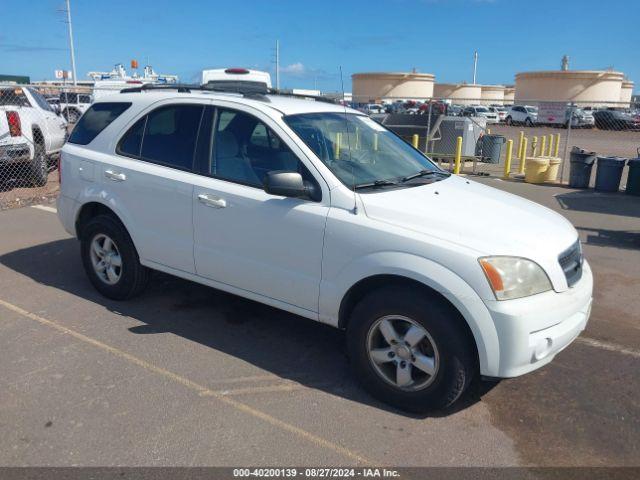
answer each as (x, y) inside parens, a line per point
(508, 121)
(528, 122)
(39, 166)
(71, 115)
(457, 364)
(133, 276)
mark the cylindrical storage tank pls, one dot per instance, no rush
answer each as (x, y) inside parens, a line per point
(492, 94)
(626, 92)
(509, 95)
(587, 87)
(376, 86)
(458, 93)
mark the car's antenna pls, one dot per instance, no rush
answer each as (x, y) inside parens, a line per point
(346, 124)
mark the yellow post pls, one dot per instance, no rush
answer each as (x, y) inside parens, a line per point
(557, 146)
(543, 145)
(534, 147)
(507, 160)
(336, 146)
(488, 131)
(550, 152)
(458, 158)
(523, 156)
(375, 141)
(357, 146)
(415, 140)
(520, 142)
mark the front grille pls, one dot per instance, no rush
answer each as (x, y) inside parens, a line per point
(571, 262)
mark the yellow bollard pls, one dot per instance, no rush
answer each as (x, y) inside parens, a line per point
(488, 131)
(523, 156)
(375, 141)
(520, 142)
(534, 146)
(555, 151)
(458, 158)
(336, 146)
(415, 140)
(357, 146)
(543, 145)
(507, 160)
(550, 151)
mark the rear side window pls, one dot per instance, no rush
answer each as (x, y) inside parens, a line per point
(170, 135)
(131, 142)
(95, 120)
(13, 97)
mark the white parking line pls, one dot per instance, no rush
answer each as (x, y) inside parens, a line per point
(612, 347)
(45, 208)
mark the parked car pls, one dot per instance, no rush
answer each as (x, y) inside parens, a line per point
(30, 131)
(436, 279)
(73, 105)
(480, 111)
(454, 110)
(500, 111)
(522, 114)
(616, 120)
(374, 108)
(579, 118)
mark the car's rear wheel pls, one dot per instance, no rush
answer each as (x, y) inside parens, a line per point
(39, 168)
(528, 122)
(110, 259)
(408, 350)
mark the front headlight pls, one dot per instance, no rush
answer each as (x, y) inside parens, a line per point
(514, 277)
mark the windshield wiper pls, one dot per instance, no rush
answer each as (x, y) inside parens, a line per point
(377, 183)
(424, 173)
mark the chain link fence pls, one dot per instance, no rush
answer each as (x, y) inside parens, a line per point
(34, 124)
(489, 129)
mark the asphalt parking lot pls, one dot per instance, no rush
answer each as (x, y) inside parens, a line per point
(186, 375)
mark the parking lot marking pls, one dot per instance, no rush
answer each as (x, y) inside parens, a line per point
(612, 347)
(202, 390)
(45, 208)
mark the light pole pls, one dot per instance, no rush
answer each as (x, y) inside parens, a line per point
(73, 56)
(475, 65)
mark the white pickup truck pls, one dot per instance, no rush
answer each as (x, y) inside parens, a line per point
(30, 131)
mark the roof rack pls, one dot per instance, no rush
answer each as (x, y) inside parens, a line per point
(180, 87)
(254, 90)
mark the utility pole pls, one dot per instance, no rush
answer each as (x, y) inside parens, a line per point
(475, 66)
(73, 56)
(277, 64)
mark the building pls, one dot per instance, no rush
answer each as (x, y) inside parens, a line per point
(458, 93)
(492, 94)
(390, 86)
(585, 87)
(509, 94)
(626, 92)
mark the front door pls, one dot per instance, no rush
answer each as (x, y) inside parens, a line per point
(244, 237)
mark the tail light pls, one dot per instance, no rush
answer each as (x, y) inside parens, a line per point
(15, 127)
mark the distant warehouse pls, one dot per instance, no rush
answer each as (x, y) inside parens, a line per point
(14, 79)
(377, 86)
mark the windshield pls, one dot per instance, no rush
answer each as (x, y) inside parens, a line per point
(359, 151)
(482, 109)
(532, 109)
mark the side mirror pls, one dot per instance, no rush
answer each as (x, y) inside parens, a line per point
(289, 184)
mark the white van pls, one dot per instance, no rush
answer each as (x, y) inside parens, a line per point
(243, 75)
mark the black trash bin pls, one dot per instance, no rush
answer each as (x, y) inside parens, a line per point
(491, 148)
(581, 163)
(609, 173)
(633, 177)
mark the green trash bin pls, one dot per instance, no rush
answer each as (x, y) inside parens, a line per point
(633, 177)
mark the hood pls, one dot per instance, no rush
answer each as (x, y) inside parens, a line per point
(473, 215)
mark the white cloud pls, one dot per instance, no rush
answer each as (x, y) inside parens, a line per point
(296, 69)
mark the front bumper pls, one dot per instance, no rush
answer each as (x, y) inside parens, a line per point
(14, 153)
(532, 330)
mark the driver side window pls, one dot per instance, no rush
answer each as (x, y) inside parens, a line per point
(244, 150)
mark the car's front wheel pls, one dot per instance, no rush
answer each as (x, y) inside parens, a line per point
(528, 122)
(408, 349)
(508, 121)
(110, 259)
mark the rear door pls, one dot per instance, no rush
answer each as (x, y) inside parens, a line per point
(151, 178)
(244, 237)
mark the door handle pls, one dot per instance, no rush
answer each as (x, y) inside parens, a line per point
(115, 176)
(212, 201)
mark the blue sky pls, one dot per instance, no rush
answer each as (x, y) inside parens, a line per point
(434, 36)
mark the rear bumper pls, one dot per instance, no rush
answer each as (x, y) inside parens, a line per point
(15, 153)
(67, 212)
(532, 330)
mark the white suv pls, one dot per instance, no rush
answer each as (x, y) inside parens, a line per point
(522, 114)
(319, 210)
